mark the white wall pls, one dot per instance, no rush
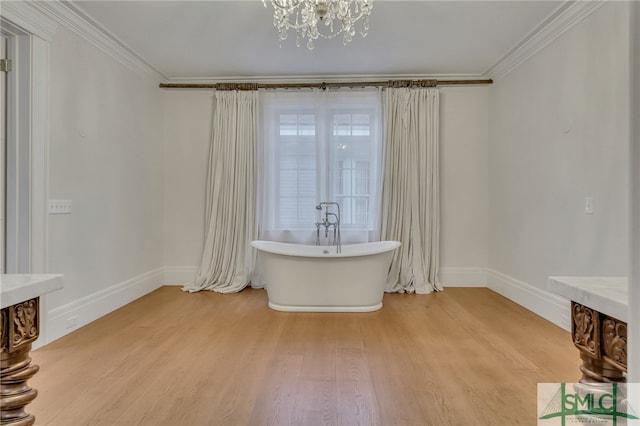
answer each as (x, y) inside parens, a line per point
(106, 155)
(464, 184)
(464, 140)
(187, 133)
(559, 133)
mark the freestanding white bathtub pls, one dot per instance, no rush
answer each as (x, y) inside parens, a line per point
(306, 278)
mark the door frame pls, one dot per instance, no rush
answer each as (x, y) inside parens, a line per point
(28, 124)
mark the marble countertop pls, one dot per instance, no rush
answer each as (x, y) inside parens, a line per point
(608, 295)
(16, 288)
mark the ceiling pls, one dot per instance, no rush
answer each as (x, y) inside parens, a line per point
(222, 40)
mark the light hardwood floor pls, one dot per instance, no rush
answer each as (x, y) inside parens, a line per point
(465, 356)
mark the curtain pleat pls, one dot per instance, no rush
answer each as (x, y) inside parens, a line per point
(231, 195)
(410, 189)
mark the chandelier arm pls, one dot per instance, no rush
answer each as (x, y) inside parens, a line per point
(283, 4)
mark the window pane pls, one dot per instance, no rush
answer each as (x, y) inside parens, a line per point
(297, 163)
(307, 183)
(307, 130)
(361, 124)
(288, 183)
(331, 156)
(362, 178)
(351, 124)
(288, 162)
(288, 130)
(297, 125)
(306, 119)
(360, 130)
(342, 130)
(361, 118)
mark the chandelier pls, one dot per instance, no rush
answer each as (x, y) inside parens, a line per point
(313, 19)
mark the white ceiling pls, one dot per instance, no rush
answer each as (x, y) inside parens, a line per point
(218, 40)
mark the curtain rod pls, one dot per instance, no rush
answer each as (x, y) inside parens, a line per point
(324, 85)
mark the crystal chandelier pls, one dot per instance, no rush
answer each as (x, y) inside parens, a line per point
(313, 19)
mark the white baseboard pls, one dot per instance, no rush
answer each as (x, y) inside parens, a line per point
(67, 318)
(463, 277)
(549, 306)
(179, 275)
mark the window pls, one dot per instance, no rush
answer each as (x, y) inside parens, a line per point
(320, 147)
(297, 169)
(351, 141)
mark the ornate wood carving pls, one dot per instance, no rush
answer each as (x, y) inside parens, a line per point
(614, 342)
(19, 326)
(24, 327)
(585, 329)
(602, 342)
(4, 340)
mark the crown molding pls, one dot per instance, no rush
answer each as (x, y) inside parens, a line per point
(42, 18)
(72, 18)
(560, 21)
(25, 16)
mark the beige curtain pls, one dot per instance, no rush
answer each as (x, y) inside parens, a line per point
(230, 216)
(410, 188)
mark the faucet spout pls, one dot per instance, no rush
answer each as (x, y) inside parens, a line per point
(328, 223)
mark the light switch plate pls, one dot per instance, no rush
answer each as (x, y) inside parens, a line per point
(588, 205)
(59, 206)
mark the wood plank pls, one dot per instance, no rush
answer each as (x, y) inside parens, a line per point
(462, 356)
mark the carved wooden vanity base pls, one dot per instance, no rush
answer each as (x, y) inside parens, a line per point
(602, 341)
(19, 326)
(598, 371)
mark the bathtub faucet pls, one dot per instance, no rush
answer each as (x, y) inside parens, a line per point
(331, 220)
